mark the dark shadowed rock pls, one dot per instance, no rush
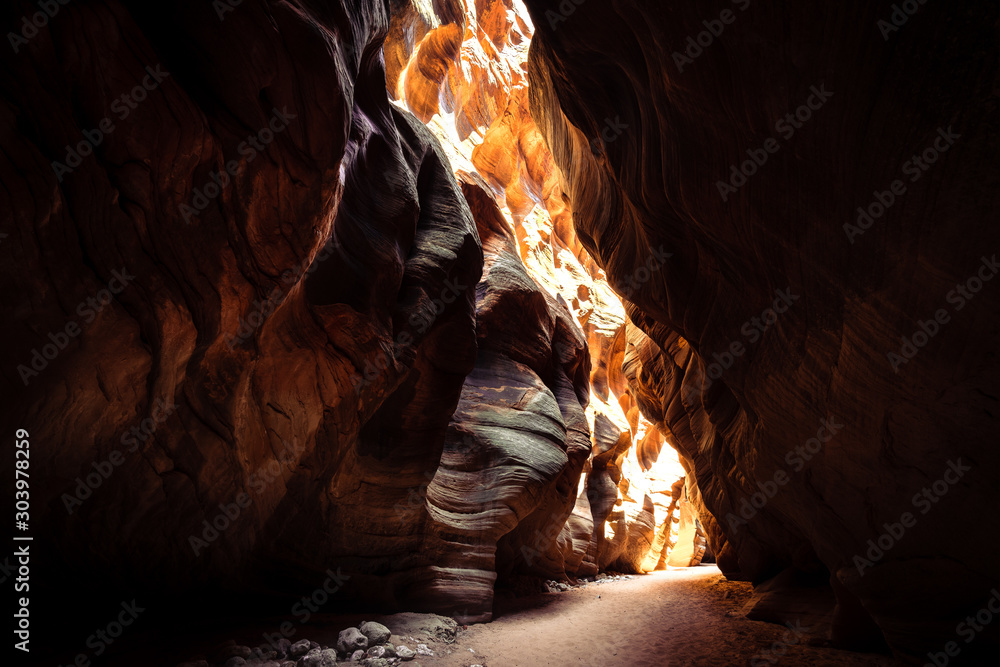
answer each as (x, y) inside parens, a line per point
(818, 317)
(376, 633)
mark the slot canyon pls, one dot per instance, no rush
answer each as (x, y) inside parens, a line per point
(500, 332)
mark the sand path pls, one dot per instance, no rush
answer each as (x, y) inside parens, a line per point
(670, 618)
(685, 616)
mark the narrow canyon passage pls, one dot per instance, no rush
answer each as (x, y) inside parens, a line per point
(697, 613)
(438, 313)
(697, 616)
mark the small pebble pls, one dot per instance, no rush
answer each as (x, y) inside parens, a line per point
(265, 652)
(319, 658)
(282, 646)
(299, 648)
(380, 652)
(350, 640)
(375, 632)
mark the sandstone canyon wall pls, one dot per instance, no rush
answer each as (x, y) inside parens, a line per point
(467, 81)
(838, 362)
(308, 325)
(296, 286)
(258, 329)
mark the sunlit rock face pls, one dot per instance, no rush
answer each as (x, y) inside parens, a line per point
(647, 368)
(781, 344)
(296, 340)
(285, 349)
(519, 438)
(474, 96)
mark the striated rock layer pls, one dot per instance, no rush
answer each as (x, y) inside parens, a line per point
(474, 97)
(275, 379)
(246, 329)
(781, 344)
(519, 438)
(259, 332)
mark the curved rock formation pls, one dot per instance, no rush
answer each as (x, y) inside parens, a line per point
(517, 441)
(285, 344)
(259, 329)
(787, 317)
(479, 109)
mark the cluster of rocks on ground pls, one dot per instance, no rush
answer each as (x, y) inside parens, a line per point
(367, 645)
(552, 586)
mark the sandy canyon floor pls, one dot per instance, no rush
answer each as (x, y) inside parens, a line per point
(688, 616)
(681, 617)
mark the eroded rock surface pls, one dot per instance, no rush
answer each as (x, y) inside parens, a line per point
(475, 99)
(258, 308)
(519, 438)
(776, 314)
(308, 326)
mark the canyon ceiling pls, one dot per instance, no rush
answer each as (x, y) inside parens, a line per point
(421, 291)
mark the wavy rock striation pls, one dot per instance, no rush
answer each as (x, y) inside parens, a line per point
(474, 97)
(308, 317)
(519, 438)
(787, 345)
(259, 330)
